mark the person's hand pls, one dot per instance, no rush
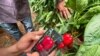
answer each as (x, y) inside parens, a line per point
(64, 11)
(33, 54)
(37, 54)
(25, 44)
(27, 41)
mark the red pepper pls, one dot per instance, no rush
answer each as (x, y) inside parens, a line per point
(67, 39)
(47, 42)
(39, 47)
(61, 45)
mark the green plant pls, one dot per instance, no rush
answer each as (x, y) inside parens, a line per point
(48, 16)
(83, 11)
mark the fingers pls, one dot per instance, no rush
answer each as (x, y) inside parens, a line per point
(68, 12)
(32, 35)
(37, 54)
(64, 12)
(33, 54)
(40, 32)
(29, 48)
(28, 54)
(53, 53)
(61, 13)
(37, 34)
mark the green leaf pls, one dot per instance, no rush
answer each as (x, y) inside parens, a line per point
(63, 29)
(42, 17)
(94, 1)
(81, 4)
(72, 4)
(59, 53)
(92, 31)
(60, 18)
(89, 14)
(49, 15)
(77, 5)
(92, 50)
(91, 46)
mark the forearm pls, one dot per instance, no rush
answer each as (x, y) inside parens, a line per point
(10, 51)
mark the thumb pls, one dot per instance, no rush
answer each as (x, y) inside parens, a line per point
(28, 54)
(33, 54)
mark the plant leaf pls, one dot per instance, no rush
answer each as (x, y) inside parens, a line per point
(89, 14)
(92, 50)
(92, 31)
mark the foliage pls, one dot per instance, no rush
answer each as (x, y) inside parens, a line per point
(48, 16)
(83, 11)
(91, 44)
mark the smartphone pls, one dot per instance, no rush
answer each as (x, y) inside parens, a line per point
(48, 42)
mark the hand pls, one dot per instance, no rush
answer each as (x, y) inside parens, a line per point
(37, 54)
(25, 44)
(63, 10)
(33, 54)
(27, 41)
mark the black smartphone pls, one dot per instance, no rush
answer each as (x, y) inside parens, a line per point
(48, 42)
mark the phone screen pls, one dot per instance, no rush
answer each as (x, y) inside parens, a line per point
(48, 42)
